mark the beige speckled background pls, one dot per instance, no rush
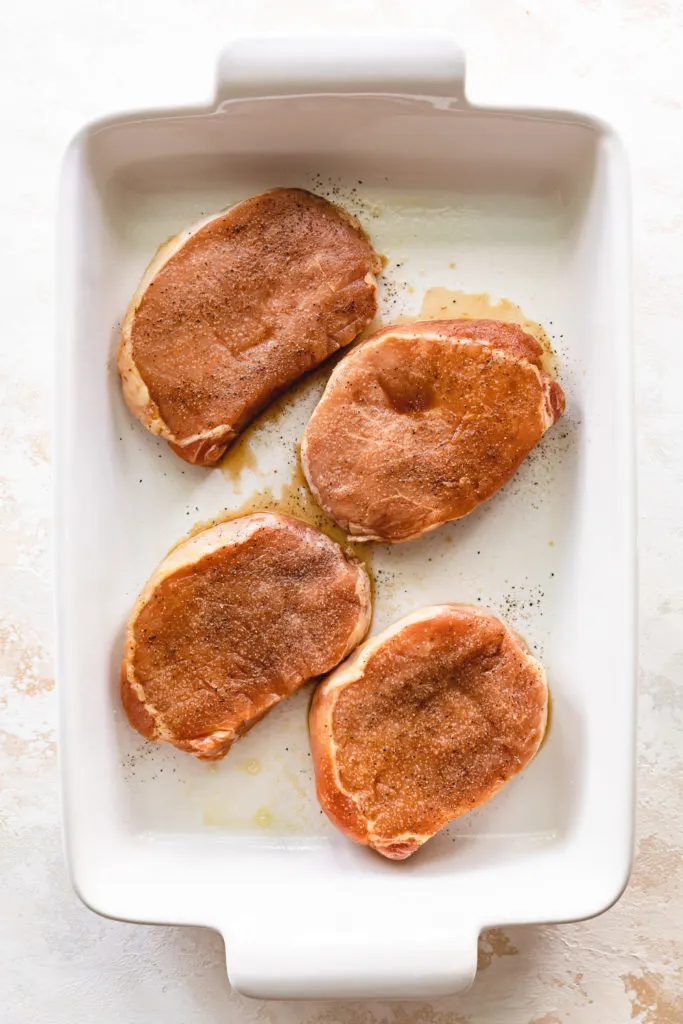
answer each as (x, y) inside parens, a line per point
(62, 63)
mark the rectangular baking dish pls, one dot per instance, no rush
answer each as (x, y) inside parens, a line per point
(530, 205)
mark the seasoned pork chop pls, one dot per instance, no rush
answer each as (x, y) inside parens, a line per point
(423, 723)
(236, 308)
(423, 422)
(236, 618)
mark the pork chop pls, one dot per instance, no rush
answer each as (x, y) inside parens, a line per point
(423, 422)
(424, 722)
(236, 308)
(236, 618)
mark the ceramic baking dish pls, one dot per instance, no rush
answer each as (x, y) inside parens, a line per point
(527, 205)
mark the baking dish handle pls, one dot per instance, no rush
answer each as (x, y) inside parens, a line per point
(368, 962)
(415, 66)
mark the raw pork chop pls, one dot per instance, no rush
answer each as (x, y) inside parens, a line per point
(423, 723)
(236, 618)
(233, 310)
(423, 422)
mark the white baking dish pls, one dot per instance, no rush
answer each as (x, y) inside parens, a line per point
(529, 205)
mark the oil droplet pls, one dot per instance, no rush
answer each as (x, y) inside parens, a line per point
(548, 721)
(263, 818)
(216, 818)
(241, 457)
(295, 499)
(240, 454)
(252, 766)
(447, 304)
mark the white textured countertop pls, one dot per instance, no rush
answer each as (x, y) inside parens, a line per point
(64, 63)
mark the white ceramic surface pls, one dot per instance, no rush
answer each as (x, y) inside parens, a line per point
(530, 207)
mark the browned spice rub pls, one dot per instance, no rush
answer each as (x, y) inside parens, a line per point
(236, 618)
(235, 309)
(423, 422)
(423, 723)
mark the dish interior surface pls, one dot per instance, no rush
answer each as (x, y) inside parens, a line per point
(519, 207)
